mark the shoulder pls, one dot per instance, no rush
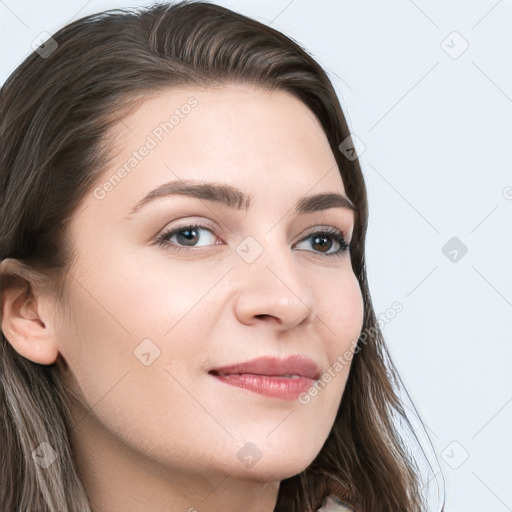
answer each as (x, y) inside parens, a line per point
(333, 504)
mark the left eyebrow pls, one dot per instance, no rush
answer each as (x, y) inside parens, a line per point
(237, 199)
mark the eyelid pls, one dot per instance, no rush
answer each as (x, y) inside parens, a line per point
(320, 227)
(191, 221)
(204, 224)
(331, 231)
(208, 224)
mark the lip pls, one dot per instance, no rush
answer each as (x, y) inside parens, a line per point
(267, 376)
(272, 366)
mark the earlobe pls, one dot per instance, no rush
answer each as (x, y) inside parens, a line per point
(23, 322)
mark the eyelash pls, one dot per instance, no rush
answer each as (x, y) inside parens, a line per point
(332, 232)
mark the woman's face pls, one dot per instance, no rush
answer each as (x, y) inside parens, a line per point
(146, 323)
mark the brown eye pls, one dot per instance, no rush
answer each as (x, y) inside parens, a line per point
(323, 241)
(185, 236)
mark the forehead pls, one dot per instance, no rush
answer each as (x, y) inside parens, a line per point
(225, 131)
(219, 114)
(266, 143)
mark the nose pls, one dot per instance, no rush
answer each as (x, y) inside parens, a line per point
(272, 290)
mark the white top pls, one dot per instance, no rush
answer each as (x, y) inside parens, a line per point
(333, 504)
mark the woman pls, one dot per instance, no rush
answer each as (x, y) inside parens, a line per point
(143, 368)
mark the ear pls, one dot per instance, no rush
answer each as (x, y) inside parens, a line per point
(25, 313)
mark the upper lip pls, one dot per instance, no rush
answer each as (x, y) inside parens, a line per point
(273, 366)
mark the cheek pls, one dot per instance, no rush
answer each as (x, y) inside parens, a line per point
(340, 320)
(112, 313)
(179, 307)
(164, 291)
(343, 311)
(94, 340)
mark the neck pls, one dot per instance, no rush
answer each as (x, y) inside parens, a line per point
(116, 477)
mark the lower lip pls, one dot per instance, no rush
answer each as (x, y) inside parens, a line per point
(277, 387)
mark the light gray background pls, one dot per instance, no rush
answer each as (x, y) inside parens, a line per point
(437, 131)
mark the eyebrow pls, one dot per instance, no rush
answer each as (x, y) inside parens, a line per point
(235, 198)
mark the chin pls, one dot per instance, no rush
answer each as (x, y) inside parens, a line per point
(275, 467)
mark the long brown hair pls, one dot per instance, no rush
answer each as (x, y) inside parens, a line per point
(56, 112)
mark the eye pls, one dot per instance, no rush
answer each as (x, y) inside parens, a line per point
(323, 241)
(186, 237)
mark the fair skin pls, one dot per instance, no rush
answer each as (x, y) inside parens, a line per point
(164, 437)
